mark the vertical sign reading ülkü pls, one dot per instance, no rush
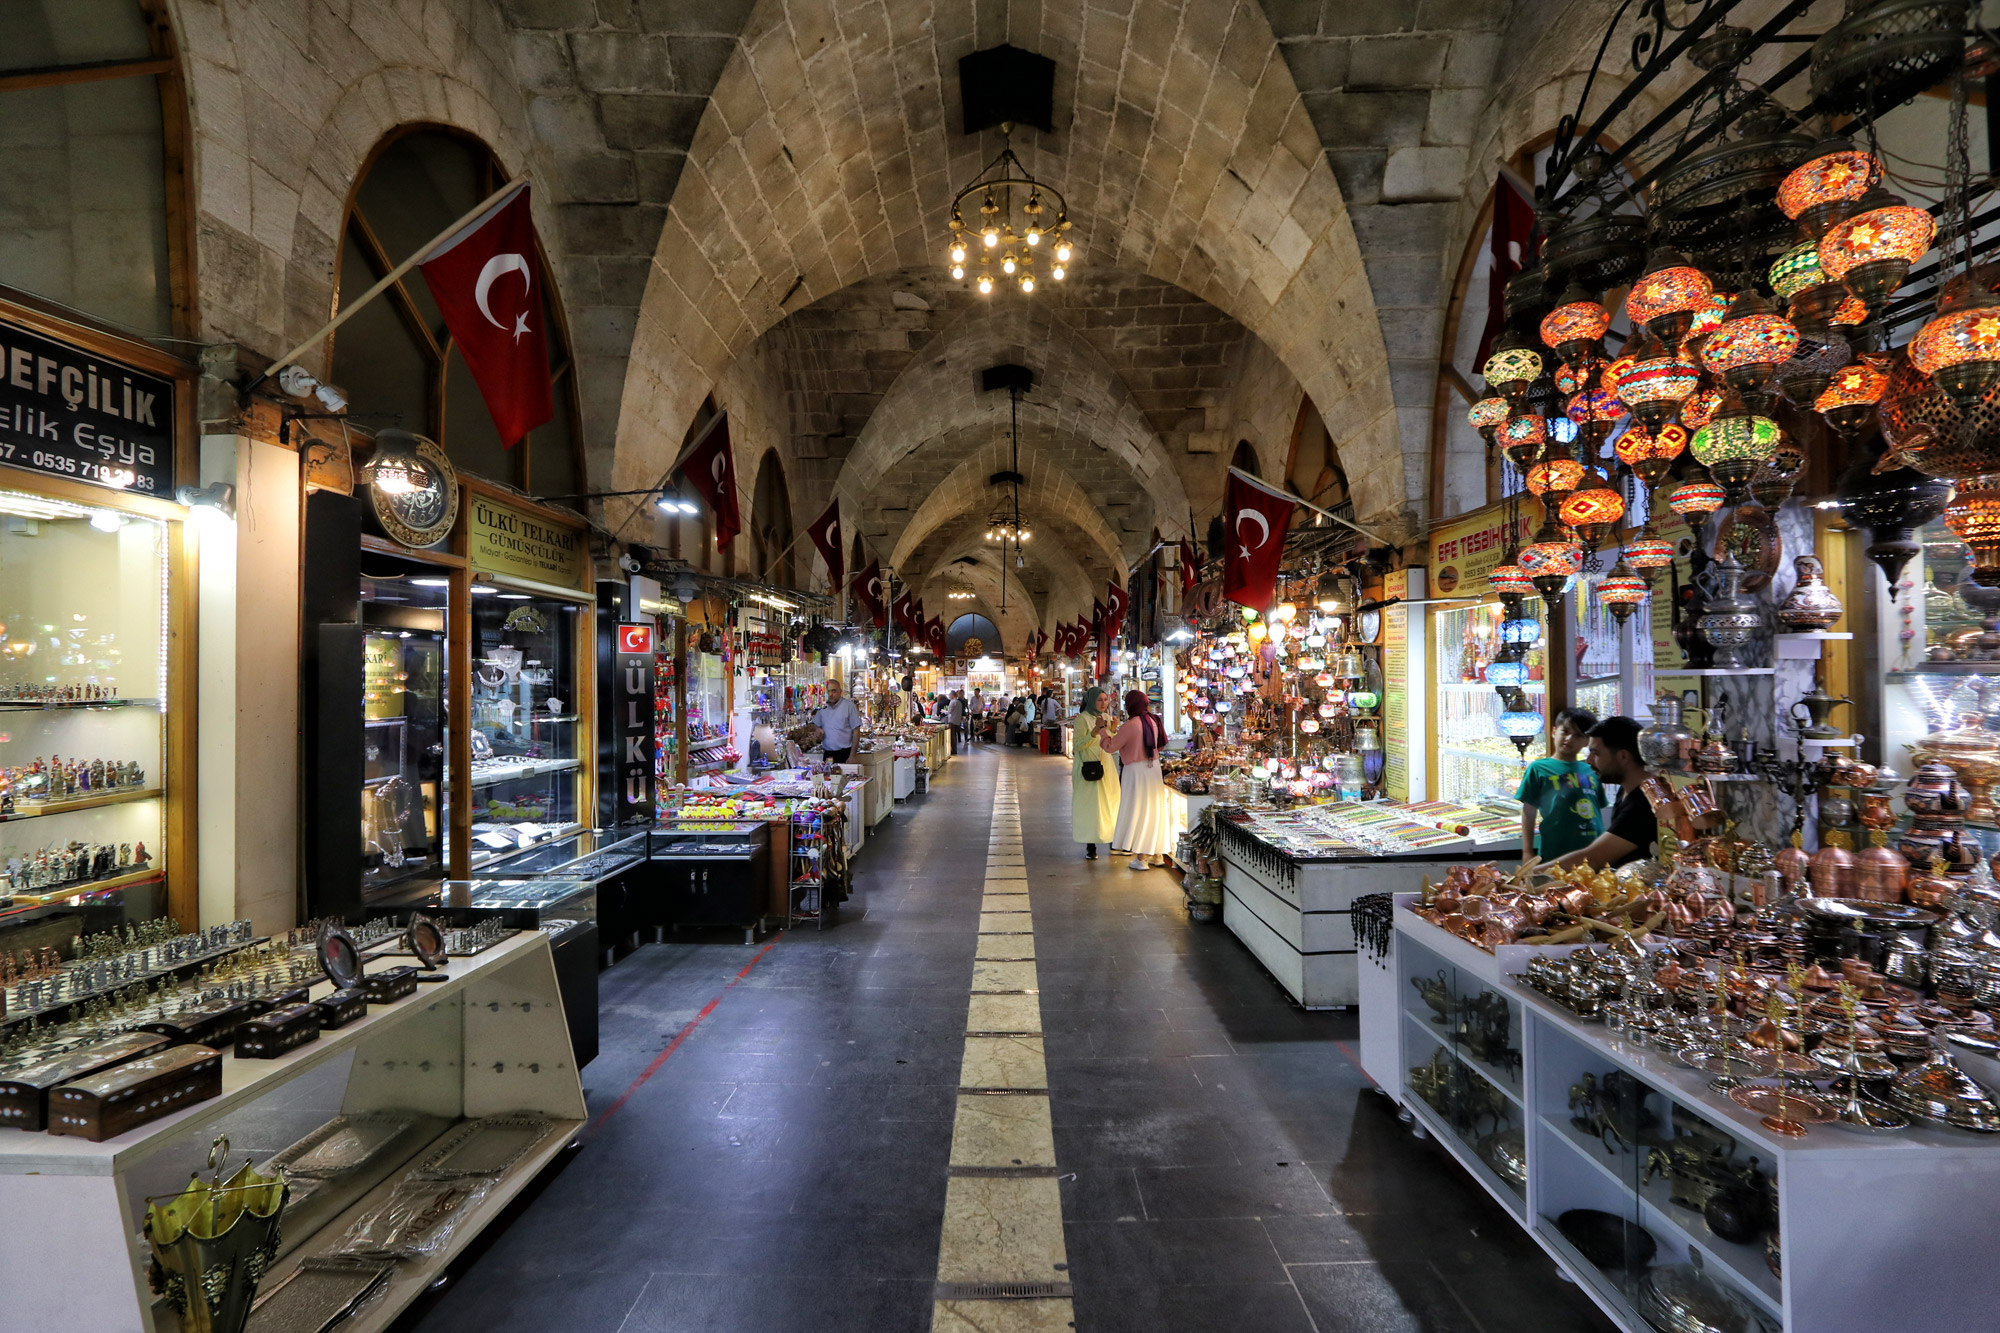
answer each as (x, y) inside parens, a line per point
(632, 717)
(1396, 687)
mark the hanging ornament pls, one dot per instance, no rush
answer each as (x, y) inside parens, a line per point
(1650, 453)
(1695, 500)
(1734, 444)
(1891, 504)
(1849, 399)
(1974, 518)
(1667, 295)
(1575, 328)
(1512, 367)
(1871, 252)
(1960, 348)
(1622, 591)
(1701, 407)
(1510, 580)
(1749, 348)
(1646, 554)
(1522, 438)
(1592, 510)
(1826, 187)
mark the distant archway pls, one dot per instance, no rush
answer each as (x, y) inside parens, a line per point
(771, 522)
(970, 627)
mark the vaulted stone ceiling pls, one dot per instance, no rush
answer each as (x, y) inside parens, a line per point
(769, 178)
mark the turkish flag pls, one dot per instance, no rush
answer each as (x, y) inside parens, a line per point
(1515, 245)
(825, 534)
(1041, 641)
(1257, 522)
(486, 280)
(868, 587)
(899, 612)
(711, 468)
(1114, 610)
(1100, 634)
(1190, 566)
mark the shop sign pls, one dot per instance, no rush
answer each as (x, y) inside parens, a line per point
(632, 724)
(68, 412)
(1396, 687)
(514, 543)
(1668, 660)
(422, 514)
(1464, 550)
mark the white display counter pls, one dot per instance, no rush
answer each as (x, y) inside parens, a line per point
(489, 1040)
(1878, 1232)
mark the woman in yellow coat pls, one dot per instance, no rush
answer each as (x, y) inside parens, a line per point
(1093, 806)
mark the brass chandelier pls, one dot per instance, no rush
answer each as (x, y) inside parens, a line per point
(1003, 243)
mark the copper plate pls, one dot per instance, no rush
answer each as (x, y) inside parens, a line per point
(1762, 1099)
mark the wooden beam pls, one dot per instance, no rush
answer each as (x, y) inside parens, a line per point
(1450, 374)
(95, 71)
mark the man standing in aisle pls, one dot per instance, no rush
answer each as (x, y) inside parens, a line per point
(1614, 753)
(840, 720)
(955, 714)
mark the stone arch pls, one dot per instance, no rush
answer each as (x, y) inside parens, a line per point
(1198, 164)
(771, 522)
(1050, 489)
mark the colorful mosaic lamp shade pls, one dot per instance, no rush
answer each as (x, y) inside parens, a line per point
(1523, 630)
(1701, 407)
(1695, 500)
(1613, 379)
(1512, 367)
(1568, 379)
(1707, 319)
(1850, 396)
(1872, 251)
(1593, 405)
(1647, 554)
(1649, 453)
(1592, 510)
(1510, 580)
(1522, 437)
(1575, 329)
(1622, 591)
(1520, 725)
(1731, 447)
(1552, 555)
(1960, 348)
(1827, 185)
(1554, 477)
(1666, 297)
(1655, 388)
(1750, 346)
(1852, 310)
(1488, 413)
(1507, 675)
(1796, 270)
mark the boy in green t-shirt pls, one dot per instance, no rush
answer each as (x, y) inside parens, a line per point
(1561, 792)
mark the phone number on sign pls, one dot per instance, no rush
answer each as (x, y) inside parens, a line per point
(88, 469)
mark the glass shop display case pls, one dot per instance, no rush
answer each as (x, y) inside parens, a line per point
(713, 872)
(1474, 758)
(592, 854)
(83, 701)
(405, 806)
(527, 769)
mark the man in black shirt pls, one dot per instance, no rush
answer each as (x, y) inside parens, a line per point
(1614, 753)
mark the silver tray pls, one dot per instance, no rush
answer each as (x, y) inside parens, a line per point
(342, 1145)
(485, 1147)
(316, 1295)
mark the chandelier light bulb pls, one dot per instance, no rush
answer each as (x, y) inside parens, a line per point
(1007, 263)
(958, 253)
(958, 270)
(1059, 273)
(991, 236)
(1034, 236)
(1027, 284)
(1062, 252)
(985, 285)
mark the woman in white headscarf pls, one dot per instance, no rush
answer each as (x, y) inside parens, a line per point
(1093, 787)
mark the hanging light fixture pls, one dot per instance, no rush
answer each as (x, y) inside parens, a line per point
(1575, 328)
(1701, 406)
(1850, 396)
(1748, 349)
(1649, 453)
(1871, 252)
(1974, 518)
(1551, 561)
(1512, 367)
(1519, 723)
(1622, 591)
(1695, 501)
(1655, 387)
(1667, 295)
(1522, 438)
(1592, 510)
(1554, 477)
(1734, 444)
(1506, 673)
(1825, 189)
(1487, 416)
(1510, 580)
(1007, 236)
(1960, 348)
(1647, 553)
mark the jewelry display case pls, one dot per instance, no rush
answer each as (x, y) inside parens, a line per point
(717, 873)
(1473, 758)
(84, 682)
(405, 804)
(471, 1080)
(614, 862)
(527, 757)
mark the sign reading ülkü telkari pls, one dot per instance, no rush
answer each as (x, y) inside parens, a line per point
(514, 543)
(71, 413)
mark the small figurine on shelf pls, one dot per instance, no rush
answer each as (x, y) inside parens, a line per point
(141, 858)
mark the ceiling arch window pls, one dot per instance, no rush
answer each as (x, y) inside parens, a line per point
(396, 359)
(93, 202)
(771, 522)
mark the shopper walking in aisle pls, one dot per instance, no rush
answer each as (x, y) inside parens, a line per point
(840, 720)
(1144, 826)
(1093, 790)
(1017, 719)
(955, 714)
(1562, 803)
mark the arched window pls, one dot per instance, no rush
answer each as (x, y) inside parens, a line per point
(94, 197)
(771, 522)
(395, 358)
(1245, 458)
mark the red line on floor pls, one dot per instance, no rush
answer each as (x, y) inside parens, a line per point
(683, 1034)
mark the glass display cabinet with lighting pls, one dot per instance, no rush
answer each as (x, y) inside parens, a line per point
(527, 770)
(85, 677)
(405, 805)
(1475, 757)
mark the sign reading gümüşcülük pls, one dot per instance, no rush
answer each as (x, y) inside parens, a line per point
(67, 412)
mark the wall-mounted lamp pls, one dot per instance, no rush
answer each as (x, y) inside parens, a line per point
(217, 495)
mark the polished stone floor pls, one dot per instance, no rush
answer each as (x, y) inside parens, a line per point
(773, 1125)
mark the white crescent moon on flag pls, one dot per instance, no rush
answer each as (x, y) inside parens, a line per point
(718, 466)
(497, 268)
(1262, 522)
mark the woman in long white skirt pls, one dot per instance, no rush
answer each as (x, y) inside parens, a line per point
(1145, 826)
(1093, 802)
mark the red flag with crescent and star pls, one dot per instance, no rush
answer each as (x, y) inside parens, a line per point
(868, 588)
(825, 534)
(711, 468)
(1114, 610)
(1257, 521)
(1190, 566)
(1100, 634)
(487, 283)
(899, 612)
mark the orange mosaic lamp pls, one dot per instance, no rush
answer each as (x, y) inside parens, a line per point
(1656, 387)
(1575, 328)
(1706, 321)
(1568, 379)
(1750, 347)
(1649, 453)
(1551, 562)
(1960, 348)
(1667, 295)
(1974, 518)
(1850, 396)
(1648, 553)
(1522, 437)
(1592, 510)
(1826, 187)
(1622, 591)
(1553, 478)
(1510, 580)
(1701, 407)
(1872, 251)
(1614, 374)
(1487, 416)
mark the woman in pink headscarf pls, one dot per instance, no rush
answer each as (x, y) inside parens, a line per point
(1145, 827)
